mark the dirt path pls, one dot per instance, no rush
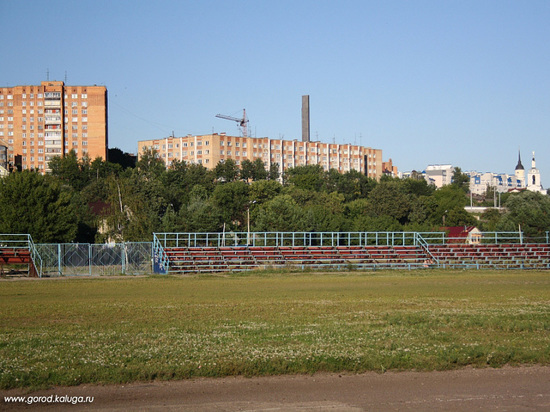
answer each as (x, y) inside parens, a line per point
(506, 389)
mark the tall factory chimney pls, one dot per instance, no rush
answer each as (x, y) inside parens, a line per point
(305, 118)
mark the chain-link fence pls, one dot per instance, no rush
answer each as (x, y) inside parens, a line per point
(84, 259)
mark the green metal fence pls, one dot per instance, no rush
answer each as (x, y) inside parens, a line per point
(84, 259)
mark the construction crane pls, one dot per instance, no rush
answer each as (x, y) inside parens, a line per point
(243, 123)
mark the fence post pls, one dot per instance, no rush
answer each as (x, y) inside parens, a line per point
(123, 257)
(59, 259)
(90, 258)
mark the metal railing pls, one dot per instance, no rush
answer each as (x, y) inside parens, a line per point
(293, 239)
(73, 259)
(23, 241)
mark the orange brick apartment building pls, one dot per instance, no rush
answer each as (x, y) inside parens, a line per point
(210, 149)
(40, 122)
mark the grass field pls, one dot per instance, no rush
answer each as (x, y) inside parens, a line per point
(105, 330)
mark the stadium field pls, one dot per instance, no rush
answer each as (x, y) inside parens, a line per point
(71, 331)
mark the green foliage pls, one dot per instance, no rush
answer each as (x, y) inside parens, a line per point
(201, 215)
(116, 204)
(70, 170)
(310, 177)
(459, 217)
(273, 173)
(253, 170)
(38, 205)
(460, 180)
(264, 190)
(281, 214)
(150, 165)
(386, 199)
(232, 199)
(227, 171)
(528, 210)
(447, 198)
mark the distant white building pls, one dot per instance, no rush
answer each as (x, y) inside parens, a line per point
(533, 178)
(439, 175)
(502, 182)
(479, 182)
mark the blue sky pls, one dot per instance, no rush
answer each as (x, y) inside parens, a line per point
(428, 82)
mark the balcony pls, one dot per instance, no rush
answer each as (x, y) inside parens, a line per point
(52, 119)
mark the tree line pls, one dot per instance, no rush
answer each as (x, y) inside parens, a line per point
(100, 201)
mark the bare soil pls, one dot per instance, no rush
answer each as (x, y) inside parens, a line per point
(505, 389)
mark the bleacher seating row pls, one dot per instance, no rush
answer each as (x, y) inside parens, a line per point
(16, 261)
(505, 256)
(227, 259)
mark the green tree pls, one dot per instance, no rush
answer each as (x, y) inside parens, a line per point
(461, 180)
(202, 215)
(490, 220)
(71, 170)
(416, 187)
(326, 213)
(150, 165)
(447, 198)
(376, 224)
(253, 170)
(273, 173)
(281, 214)
(247, 170)
(310, 177)
(262, 191)
(386, 199)
(37, 205)
(352, 184)
(232, 199)
(529, 211)
(227, 171)
(423, 210)
(458, 216)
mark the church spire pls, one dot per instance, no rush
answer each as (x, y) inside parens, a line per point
(519, 165)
